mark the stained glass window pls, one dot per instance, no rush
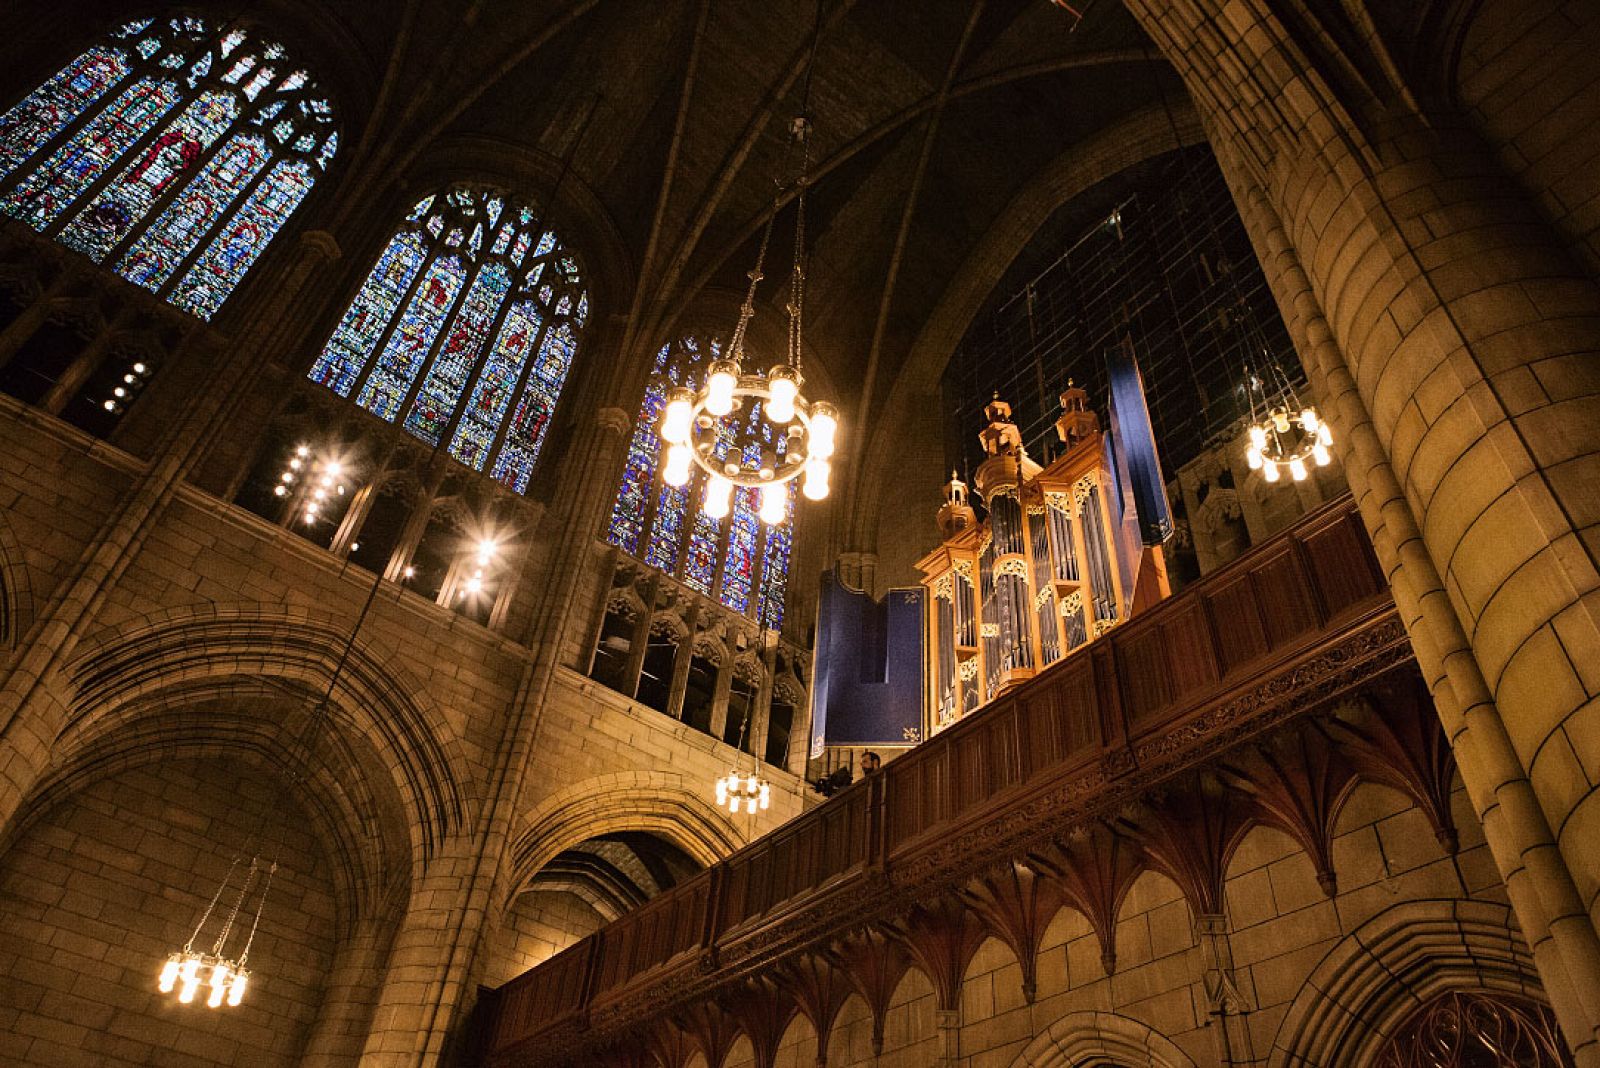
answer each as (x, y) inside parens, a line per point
(464, 331)
(172, 151)
(738, 560)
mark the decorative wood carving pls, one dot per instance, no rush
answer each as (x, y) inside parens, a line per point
(819, 989)
(1188, 833)
(942, 937)
(1297, 781)
(763, 1012)
(1094, 870)
(1016, 905)
(712, 1029)
(875, 964)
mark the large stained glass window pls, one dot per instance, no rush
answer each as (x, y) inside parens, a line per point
(173, 152)
(738, 560)
(464, 330)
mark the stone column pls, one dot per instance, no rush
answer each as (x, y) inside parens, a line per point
(20, 329)
(1466, 348)
(85, 364)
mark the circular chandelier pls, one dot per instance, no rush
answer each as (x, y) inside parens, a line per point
(751, 792)
(695, 424)
(186, 971)
(1283, 433)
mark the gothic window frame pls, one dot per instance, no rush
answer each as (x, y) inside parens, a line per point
(667, 528)
(473, 358)
(173, 151)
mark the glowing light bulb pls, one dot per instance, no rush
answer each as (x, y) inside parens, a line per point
(219, 985)
(139, 368)
(236, 988)
(169, 975)
(119, 392)
(129, 379)
(1308, 420)
(815, 484)
(722, 793)
(1280, 420)
(190, 975)
(766, 796)
(675, 420)
(302, 450)
(474, 585)
(774, 503)
(783, 386)
(1270, 472)
(750, 784)
(294, 465)
(334, 468)
(719, 491)
(281, 491)
(408, 572)
(1258, 437)
(1297, 468)
(824, 428)
(1252, 457)
(724, 376)
(675, 472)
(1319, 453)
(110, 406)
(1325, 434)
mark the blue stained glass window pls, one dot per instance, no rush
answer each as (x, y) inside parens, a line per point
(464, 333)
(667, 528)
(148, 153)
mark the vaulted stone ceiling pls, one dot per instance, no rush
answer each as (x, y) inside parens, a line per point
(968, 106)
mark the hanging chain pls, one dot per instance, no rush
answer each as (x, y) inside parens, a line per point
(189, 945)
(797, 277)
(261, 904)
(747, 310)
(233, 913)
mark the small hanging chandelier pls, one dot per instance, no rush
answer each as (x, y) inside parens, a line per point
(1283, 433)
(695, 423)
(186, 971)
(750, 791)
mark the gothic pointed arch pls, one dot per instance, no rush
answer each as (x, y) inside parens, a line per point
(464, 330)
(1101, 1038)
(172, 151)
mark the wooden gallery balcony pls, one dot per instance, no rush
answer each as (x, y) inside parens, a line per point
(1251, 697)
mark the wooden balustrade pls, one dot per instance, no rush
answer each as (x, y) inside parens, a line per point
(1297, 621)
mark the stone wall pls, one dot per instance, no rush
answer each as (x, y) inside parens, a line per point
(97, 889)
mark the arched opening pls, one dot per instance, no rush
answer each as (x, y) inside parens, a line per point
(580, 890)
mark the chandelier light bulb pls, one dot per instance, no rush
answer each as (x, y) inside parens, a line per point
(1258, 437)
(774, 503)
(1325, 434)
(169, 974)
(766, 796)
(1280, 420)
(1270, 472)
(1297, 468)
(675, 421)
(1319, 453)
(1252, 457)
(1308, 420)
(815, 486)
(236, 988)
(219, 985)
(824, 426)
(676, 471)
(783, 386)
(720, 383)
(719, 492)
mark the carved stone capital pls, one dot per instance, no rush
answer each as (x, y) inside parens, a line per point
(320, 245)
(613, 419)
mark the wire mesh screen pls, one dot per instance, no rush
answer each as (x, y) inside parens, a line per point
(1170, 271)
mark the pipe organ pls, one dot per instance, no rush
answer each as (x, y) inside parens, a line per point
(1052, 566)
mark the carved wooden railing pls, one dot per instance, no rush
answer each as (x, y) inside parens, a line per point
(1298, 621)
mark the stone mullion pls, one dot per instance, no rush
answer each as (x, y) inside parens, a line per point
(546, 325)
(34, 316)
(426, 984)
(376, 352)
(491, 336)
(86, 363)
(228, 214)
(1524, 848)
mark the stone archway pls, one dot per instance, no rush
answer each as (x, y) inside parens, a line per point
(1097, 1038)
(1378, 978)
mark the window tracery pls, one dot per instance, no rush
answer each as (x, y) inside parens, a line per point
(738, 560)
(464, 331)
(173, 151)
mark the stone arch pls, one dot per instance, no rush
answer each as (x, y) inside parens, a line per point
(144, 666)
(1092, 1037)
(667, 804)
(16, 592)
(1378, 975)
